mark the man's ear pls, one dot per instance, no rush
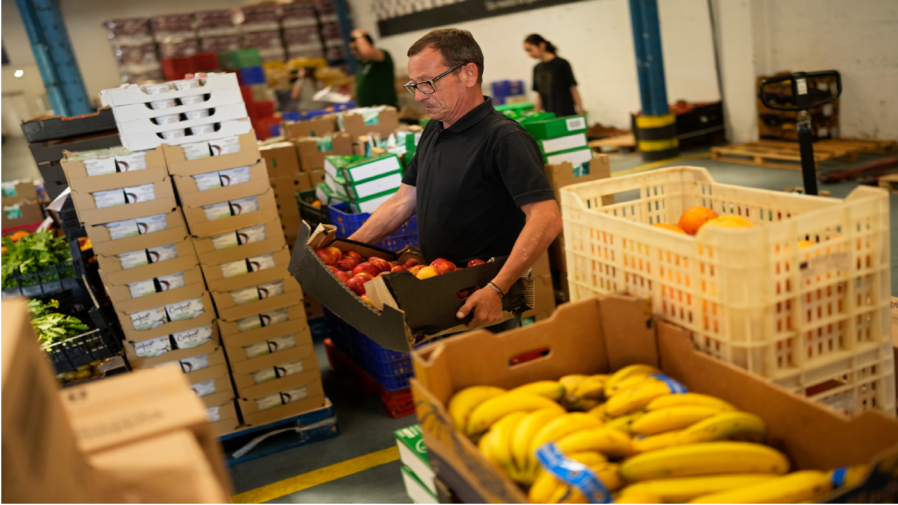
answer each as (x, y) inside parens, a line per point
(471, 74)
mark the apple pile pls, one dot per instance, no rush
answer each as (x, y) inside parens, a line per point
(354, 270)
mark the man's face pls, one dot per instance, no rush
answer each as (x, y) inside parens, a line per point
(532, 51)
(450, 90)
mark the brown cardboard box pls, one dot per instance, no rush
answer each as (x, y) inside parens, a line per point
(600, 335)
(134, 336)
(111, 266)
(227, 415)
(562, 175)
(216, 280)
(116, 282)
(188, 292)
(217, 375)
(42, 461)
(387, 123)
(120, 295)
(163, 203)
(230, 330)
(76, 173)
(243, 371)
(139, 471)
(541, 267)
(310, 158)
(314, 399)
(201, 227)
(26, 192)
(235, 344)
(229, 311)
(31, 213)
(314, 128)
(103, 244)
(280, 159)
(179, 165)
(545, 298)
(103, 413)
(274, 240)
(193, 197)
(317, 177)
(285, 187)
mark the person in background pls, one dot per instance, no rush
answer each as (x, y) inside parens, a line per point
(304, 89)
(553, 79)
(375, 79)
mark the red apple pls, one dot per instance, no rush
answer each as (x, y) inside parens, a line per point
(464, 293)
(367, 268)
(415, 269)
(398, 268)
(327, 256)
(343, 276)
(395, 263)
(380, 263)
(333, 268)
(338, 254)
(364, 274)
(474, 263)
(367, 300)
(444, 266)
(353, 254)
(411, 262)
(427, 272)
(357, 284)
(348, 263)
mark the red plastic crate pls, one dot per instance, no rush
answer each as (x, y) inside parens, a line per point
(264, 109)
(204, 62)
(247, 93)
(176, 68)
(30, 227)
(396, 403)
(263, 126)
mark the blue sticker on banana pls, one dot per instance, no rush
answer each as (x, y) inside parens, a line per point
(675, 387)
(574, 473)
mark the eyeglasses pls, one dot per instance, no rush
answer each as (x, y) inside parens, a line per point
(427, 87)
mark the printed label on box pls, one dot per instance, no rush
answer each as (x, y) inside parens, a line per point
(226, 145)
(234, 176)
(142, 193)
(133, 259)
(99, 166)
(162, 253)
(247, 295)
(123, 229)
(151, 224)
(207, 181)
(249, 323)
(217, 211)
(274, 317)
(212, 414)
(294, 395)
(234, 268)
(142, 288)
(264, 375)
(173, 281)
(188, 309)
(251, 234)
(262, 262)
(244, 205)
(153, 348)
(195, 363)
(204, 388)
(130, 162)
(196, 150)
(286, 369)
(225, 240)
(270, 401)
(149, 319)
(282, 343)
(575, 123)
(194, 337)
(271, 289)
(110, 198)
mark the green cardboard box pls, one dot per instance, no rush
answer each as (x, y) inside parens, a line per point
(516, 108)
(413, 454)
(417, 490)
(371, 203)
(355, 191)
(579, 158)
(357, 169)
(234, 60)
(558, 127)
(560, 144)
(327, 196)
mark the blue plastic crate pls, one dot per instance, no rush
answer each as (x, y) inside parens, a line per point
(275, 130)
(339, 107)
(250, 76)
(291, 116)
(348, 223)
(507, 88)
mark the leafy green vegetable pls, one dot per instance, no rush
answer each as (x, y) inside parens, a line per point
(32, 254)
(51, 326)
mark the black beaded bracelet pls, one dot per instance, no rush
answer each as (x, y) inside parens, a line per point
(498, 290)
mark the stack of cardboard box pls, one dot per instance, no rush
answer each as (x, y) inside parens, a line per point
(562, 140)
(381, 121)
(22, 209)
(232, 215)
(111, 441)
(417, 473)
(363, 183)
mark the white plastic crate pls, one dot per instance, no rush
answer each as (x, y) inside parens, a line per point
(802, 298)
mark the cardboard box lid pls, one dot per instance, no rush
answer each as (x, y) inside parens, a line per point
(218, 283)
(298, 326)
(191, 196)
(89, 214)
(180, 264)
(210, 256)
(133, 336)
(295, 311)
(310, 379)
(302, 351)
(178, 164)
(201, 227)
(228, 311)
(79, 180)
(122, 301)
(103, 244)
(112, 265)
(308, 363)
(171, 356)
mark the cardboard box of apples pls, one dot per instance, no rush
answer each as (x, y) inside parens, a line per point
(406, 299)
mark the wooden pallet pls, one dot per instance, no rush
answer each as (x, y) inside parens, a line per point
(838, 152)
(623, 143)
(889, 182)
(875, 146)
(763, 156)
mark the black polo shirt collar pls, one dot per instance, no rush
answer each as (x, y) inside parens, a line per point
(474, 116)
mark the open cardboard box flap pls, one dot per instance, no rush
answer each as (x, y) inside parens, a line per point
(428, 307)
(603, 334)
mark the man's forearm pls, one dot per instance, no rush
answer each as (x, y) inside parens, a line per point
(537, 104)
(539, 232)
(575, 93)
(391, 215)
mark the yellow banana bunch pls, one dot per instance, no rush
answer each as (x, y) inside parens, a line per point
(671, 418)
(610, 443)
(552, 390)
(548, 489)
(722, 425)
(570, 382)
(848, 476)
(488, 412)
(496, 443)
(696, 399)
(686, 488)
(462, 403)
(611, 385)
(624, 423)
(792, 488)
(636, 397)
(553, 431)
(527, 430)
(645, 443)
(704, 459)
(637, 498)
(586, 393)
(599, 413)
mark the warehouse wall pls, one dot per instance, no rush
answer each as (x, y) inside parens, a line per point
(595, 36)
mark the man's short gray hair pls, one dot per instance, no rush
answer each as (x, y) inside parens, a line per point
(458, 47)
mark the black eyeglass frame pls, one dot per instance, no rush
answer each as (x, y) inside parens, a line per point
(411, 86)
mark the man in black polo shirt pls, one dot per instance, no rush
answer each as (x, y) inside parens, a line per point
(477, 179)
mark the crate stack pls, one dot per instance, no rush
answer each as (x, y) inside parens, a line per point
(508, 92)
(216, 31)
(300, 27)
(260, 28)
(247, 65)
(134, 48)
(174, 35)
(780, 125)
(562, 140)
(330, 31)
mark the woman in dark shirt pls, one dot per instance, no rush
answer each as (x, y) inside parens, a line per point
(553, 79)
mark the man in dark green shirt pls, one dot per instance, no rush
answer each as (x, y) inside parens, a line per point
(375, 79)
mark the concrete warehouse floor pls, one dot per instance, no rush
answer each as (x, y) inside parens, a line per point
(364, 427)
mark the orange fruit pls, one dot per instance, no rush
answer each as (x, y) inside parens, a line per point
(316, 204)
(730, 222)
(670, 227)
(694, 218)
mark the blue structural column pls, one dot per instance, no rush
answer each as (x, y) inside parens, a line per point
(54, 56)
(656, 127)
(345, 32)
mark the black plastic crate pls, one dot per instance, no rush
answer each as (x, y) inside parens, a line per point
(52, 150)
(49, 281)
(309, 213)
(54, 179)
(84, 349)
(58, 127)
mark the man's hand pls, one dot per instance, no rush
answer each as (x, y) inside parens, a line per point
(357, 33)
(486, 304)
